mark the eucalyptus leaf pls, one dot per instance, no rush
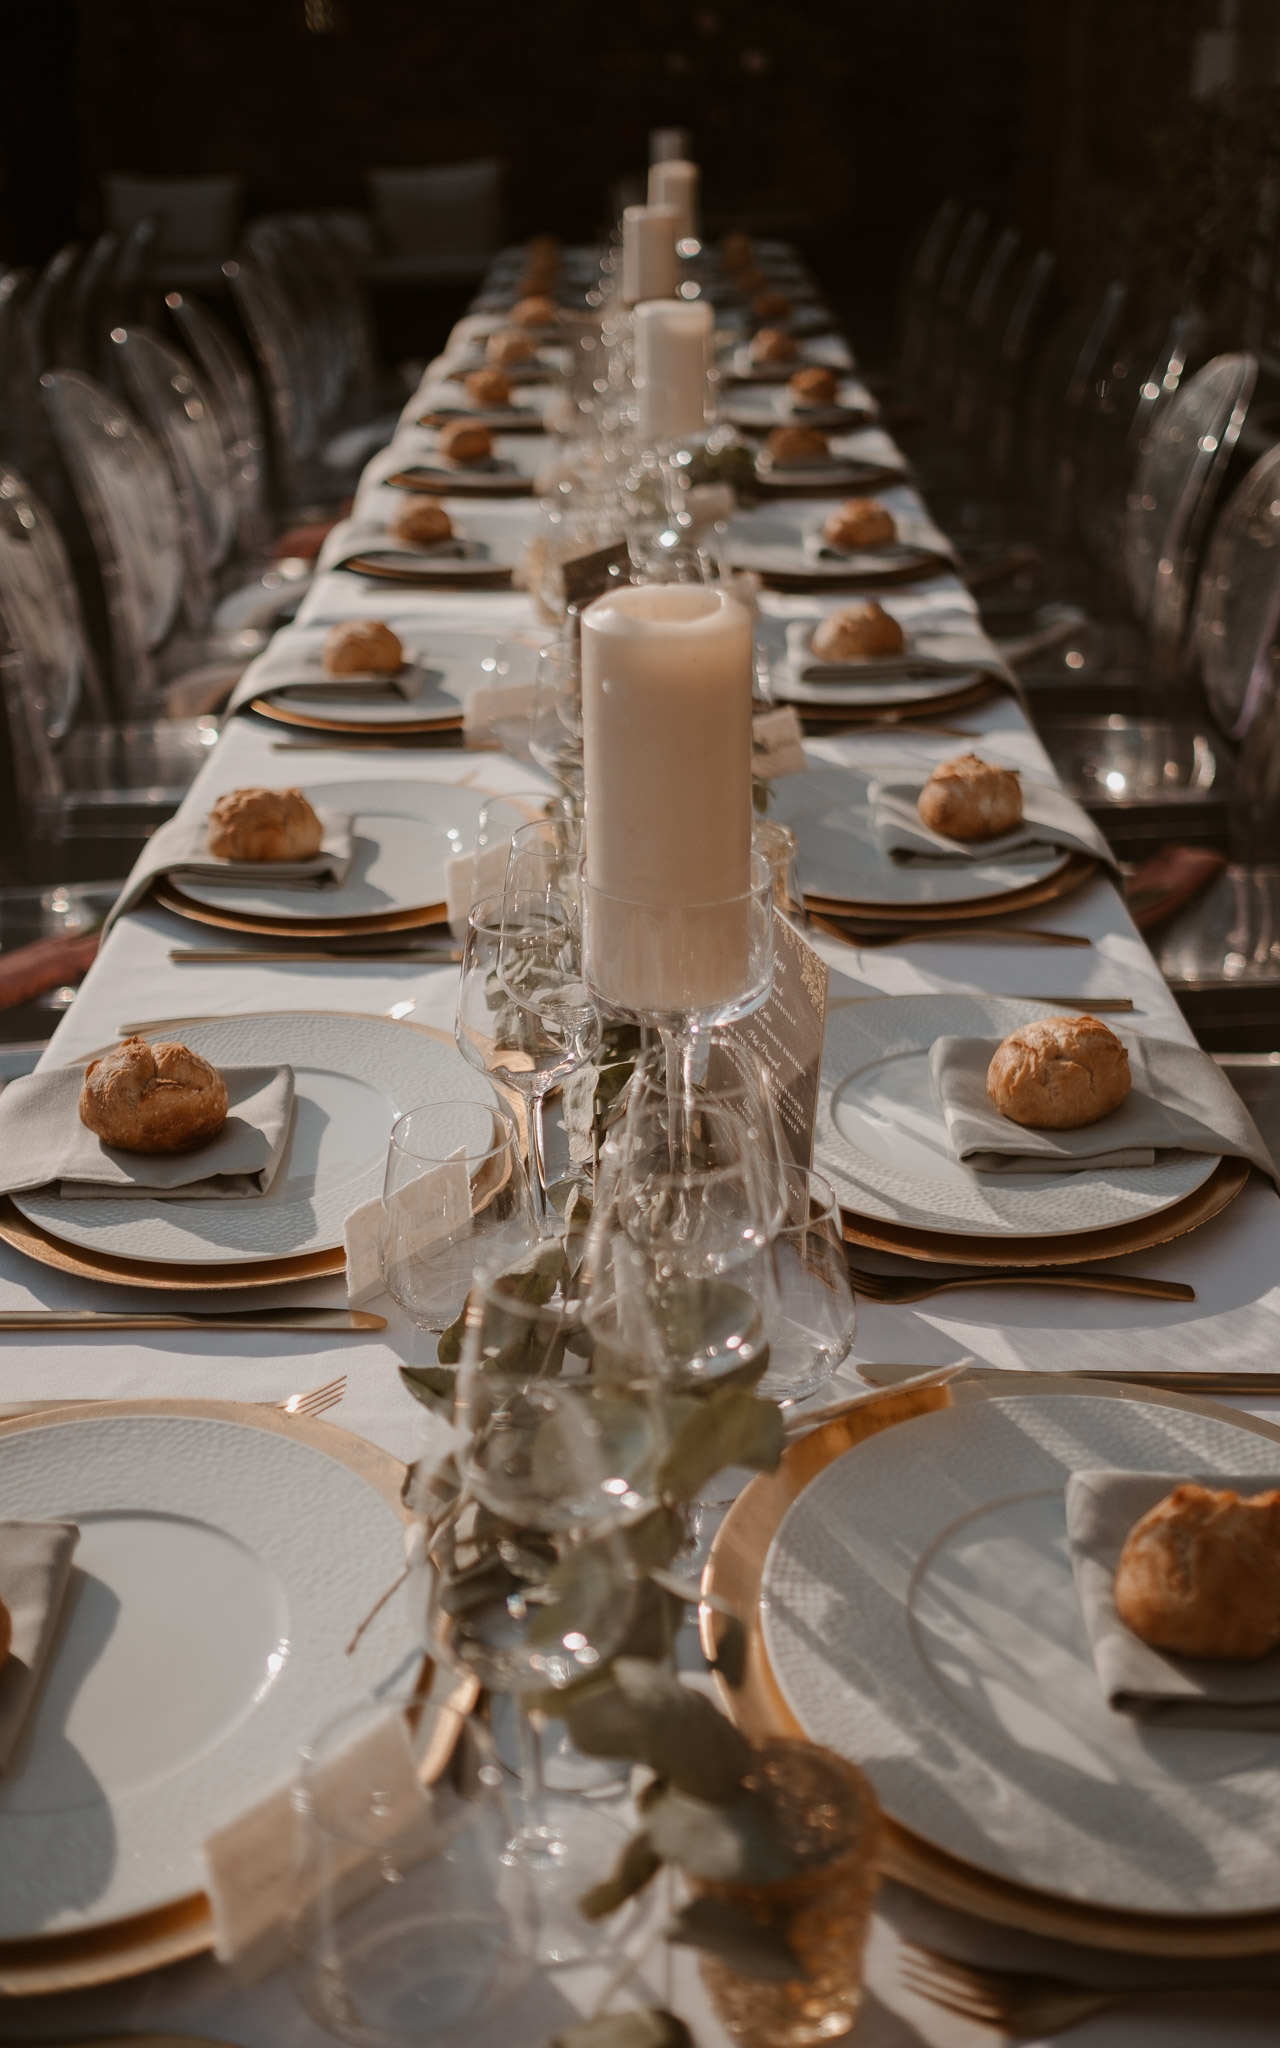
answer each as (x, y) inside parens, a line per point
(646, 1714)
(435, 1386)
(751, 1947)
(729, 1428)
(428, 1490)
(730, 1659)
(486, 1584)
(449, 1342)
(648, 2027)
(632, 1872)
(734, 1841)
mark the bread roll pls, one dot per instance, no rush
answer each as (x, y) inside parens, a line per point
(153, 1098)
(860, 523)
(771, 305)
(463, 441)
(1059, 1074)
(773, 345)
(857, 632)
(488, 387)
(422, 522)
(264, 824)
(968, 798)
(508, 347)
(797, 447)
(539, 311)
(1200, 1574)
(815, 385)
(359, 647)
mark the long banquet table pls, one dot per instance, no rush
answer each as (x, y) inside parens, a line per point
(1233, 1263)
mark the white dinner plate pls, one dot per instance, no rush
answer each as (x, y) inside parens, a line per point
(220, 1575)
(882, 1140)
(403, 833)
(920, 1616)
(353, 1076)
(840, 857)
(451, 664)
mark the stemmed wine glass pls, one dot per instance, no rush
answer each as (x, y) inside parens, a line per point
(543, 859)
(555, 721)
(455, 1203)
(524, 1015)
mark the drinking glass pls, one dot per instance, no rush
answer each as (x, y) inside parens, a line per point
(812, 1315)
(555, 722)
(544, 858)
(410, 1924)
(722, 1103)
(524, 1015)
(455, 1203)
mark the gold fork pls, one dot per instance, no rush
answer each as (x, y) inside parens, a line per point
(1031, 2006)
(317, 1401)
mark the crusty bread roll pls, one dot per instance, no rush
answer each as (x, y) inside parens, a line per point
(422, 522)
(488, 387)
(815, 385)
(362, 647)
(1059, 1074)
(856, 632)
(463, 441)
(797, 447)
(859, 523)
(538, 311)
(509, 347)
(1200, 1574)
(773, 345)
(771, 305)
(153, 1098)
(264, 824)
(968, 798)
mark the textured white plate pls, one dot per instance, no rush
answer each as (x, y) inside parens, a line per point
(353, 1077)
(882, 1142)
(452, 664)
(920, 1615)
(220, 1574)
(404, 833)
(839, 855)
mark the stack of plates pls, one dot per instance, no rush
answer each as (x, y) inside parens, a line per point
(882, 1142)
(353, 1076)
(913, 1607)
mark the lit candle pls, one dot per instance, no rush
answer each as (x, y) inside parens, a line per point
(666, 721)
(673, 360)
(649, 260)
(674, 182)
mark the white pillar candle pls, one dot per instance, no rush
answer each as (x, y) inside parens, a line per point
(674, 182)
(666, 143)
(666, 722)
(649, 260)
(673, 361)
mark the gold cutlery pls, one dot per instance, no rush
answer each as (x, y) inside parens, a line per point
(1031, 2007)
(1225, 1382)
(318, 1401)
(913, 1378)
(334, 1321)
(427, 956)
(896, 1290)
(895, 935)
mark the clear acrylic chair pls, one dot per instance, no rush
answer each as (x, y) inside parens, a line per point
(271, 325)
(920, 290)
(959, 276)
(1135, 380)
(1236, 623)
(1170, 501)
(237, 411)
(980, 331)
(170, 397)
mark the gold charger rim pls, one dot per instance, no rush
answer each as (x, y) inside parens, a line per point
(1072, 872)
(39, 1965)
(733, 1576)
(170, 898)
(268, 708)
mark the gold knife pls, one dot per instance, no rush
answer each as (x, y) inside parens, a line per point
(1226, 1382)
(334, 1321)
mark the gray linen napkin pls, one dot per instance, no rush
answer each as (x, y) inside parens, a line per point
(1049, 818)
(1180, 1101)
(180, 850)
(35, 1564)
(369, 537)
(957, 654)
(1183, 1692)
(44, 1144)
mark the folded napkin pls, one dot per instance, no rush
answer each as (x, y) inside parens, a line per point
(956, 653)
(1049, 818)
(35, 1564)
(1179, 1692)
(180, 850)
(43, 1143)
(867, 449)
(368, 537)
(1180, 1101)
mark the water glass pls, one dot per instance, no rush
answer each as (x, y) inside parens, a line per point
(812, 1315)
(456, 1202)
(543, 860)
(555, 722)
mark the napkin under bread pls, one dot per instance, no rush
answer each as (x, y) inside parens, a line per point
(43, 1143)
(35, 1564)
(180, 850)
(1180, 1101)
(1049, 818)
(1181, 1692)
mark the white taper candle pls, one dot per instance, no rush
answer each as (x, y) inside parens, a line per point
(649, 260)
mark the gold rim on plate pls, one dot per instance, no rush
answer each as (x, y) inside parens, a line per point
(43, 1964)
(734, 1577)
(170, 898)
(268, 708)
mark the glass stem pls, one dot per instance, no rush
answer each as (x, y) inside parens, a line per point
(538, 1156)
(532, 1800)
(679, 1047)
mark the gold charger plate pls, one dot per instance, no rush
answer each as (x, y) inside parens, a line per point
(170, 898)
(1074, 872)
(1140, 1234)
(170, 1278)
(43, 1964)
(734, 1575)
(313, 723)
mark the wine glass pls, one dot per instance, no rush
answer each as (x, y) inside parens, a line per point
(812, 1316)
(544, 858)
(524, 1016)
(722, 1102)
(455, 1203)
(555, 721)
